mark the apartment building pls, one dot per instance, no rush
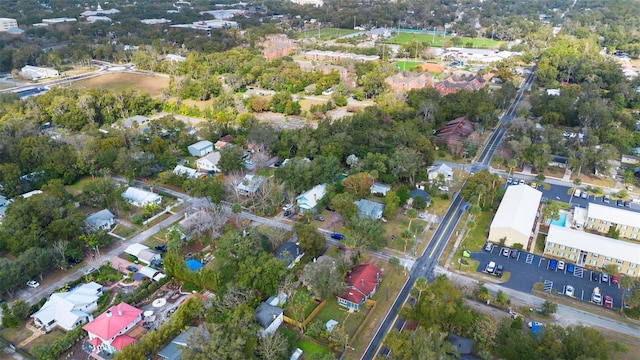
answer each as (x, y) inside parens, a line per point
(600, 218)
(592, 250)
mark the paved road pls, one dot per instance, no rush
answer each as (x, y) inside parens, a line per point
(565, 316)
(423, 267)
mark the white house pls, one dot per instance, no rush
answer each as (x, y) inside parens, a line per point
(201, 148)
(69, 309)
(370, 209)
(516, 216)
(209, 162)
(270, 317)
(151, 273)
(188, 172)
(136, 121)
(434, 172)
(37, 73)
(109, 332)
(250, 184)
(143, 253)
(101, 220)
(308, 200)
(140, 197)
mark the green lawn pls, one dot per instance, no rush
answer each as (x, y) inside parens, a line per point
(437, 40)
(406, 65)
(326, 33)
(309, 348)
(16, 335)
(45, 339)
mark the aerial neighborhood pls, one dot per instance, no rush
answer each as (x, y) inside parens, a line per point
(320, 180)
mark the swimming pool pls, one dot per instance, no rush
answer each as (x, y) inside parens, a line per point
(561, 221)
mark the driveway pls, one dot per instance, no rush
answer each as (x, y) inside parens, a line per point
(527, 269)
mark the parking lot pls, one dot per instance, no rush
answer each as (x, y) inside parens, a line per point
(527, 269)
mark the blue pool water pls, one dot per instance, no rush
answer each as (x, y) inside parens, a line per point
(560, 222)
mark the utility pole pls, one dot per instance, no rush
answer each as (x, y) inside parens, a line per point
(354, 22)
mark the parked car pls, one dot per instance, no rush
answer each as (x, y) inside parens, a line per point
(608, 302)
(534, 323)
(514, 253)
(560, 265)
(287, 207)
(509, 180)
(627, 203)
(491, 267)
(443, 188)
(489, 247)
(619, 203)
(604, 278)
(570, 268)
(161, 247)
(516, 182)
(534, 184)
(553, 264)
(505, 252)
(569, 290)
(499, 270)
(132, 268)
(287, 213)
(615, 280)
(329, 208)
(90, 270)
(337, 236)
(33, 284)
(585, 195)
(422, 216)
(606, 199)
(319, 218)
(596, 297)
(630, 188)
(595, 276)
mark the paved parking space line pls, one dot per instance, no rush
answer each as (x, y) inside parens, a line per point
(529, 259)
(518, 258)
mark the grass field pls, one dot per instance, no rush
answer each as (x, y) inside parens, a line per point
(407, 65)
(124, 81)
(437, 40)
(326, 33)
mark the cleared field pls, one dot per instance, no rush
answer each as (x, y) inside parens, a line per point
(437, 40)
(126, 81)
(326, 33)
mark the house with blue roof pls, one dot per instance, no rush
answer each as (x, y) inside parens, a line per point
(370, 209)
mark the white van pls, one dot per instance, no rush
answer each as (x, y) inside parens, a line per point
(577, 193)
(491, 267)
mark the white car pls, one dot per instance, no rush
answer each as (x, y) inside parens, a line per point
(569, 290)
(560, 265)
(33, 284)
(534, 323)
(422, 216)
(443, 188)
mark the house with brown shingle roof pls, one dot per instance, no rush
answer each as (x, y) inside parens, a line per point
(454, 134)
(455, 83)
(406, 81)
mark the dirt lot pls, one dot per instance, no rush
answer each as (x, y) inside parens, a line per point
(126, 81)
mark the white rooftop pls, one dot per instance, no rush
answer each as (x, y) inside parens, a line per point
(518, 209)
(135, 249)
(64, 307)
(613, 214)
(597, 244)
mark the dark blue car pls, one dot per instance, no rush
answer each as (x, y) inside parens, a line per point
(553, 264)
(337, 236)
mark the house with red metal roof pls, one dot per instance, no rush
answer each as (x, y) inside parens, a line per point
(455, 134)
(362, 283)
(114, 329)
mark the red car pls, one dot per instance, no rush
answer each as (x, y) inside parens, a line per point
(608, 302)
(614, 280)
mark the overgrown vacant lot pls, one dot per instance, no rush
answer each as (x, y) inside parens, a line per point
(152, 85)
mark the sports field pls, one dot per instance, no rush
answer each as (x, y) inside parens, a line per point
(326, 33)
(152, 85)
(437, 40)
(407, 65)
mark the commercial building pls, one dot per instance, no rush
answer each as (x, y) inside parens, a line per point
(37, 73)
(515, 219)
(593, 250)
(6, 24)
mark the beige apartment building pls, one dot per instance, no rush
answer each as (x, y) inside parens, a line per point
(600, 218)
(515, 220)
(6, 24)
(592, 250)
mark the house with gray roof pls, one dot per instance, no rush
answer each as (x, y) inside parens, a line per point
(250, 184)
(101, 220)
(380, 189)
(444, 170)
(136, 121)
(370, 209)
(173, 351)
(290, 253)
(201, 148)
(185, 171)
(270, 317)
